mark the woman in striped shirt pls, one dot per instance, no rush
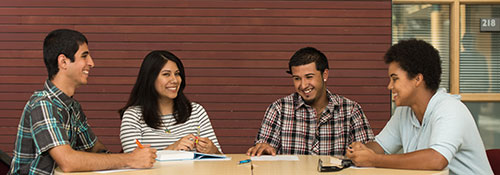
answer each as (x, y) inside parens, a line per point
(159, 114)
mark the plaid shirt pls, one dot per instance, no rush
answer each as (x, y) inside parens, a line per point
(291, 126)
(50, 118)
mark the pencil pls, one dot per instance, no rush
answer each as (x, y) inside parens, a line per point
(198, 135)
(138, 143)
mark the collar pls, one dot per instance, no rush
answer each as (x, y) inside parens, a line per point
(332, 101)
(57, 93)
(433, 104)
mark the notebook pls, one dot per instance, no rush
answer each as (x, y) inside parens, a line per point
(171, 155)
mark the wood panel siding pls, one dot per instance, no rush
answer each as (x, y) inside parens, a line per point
(235, 53)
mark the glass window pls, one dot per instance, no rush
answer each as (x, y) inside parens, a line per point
(480, 69)
(479, 51)
(427, 22)
(487, 118)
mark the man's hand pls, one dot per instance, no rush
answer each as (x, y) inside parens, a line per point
(261, 148)
(185, 144)
(70, 160)
(357, 146)
(361, 155)
(142, 157)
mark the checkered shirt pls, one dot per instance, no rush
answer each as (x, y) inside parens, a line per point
(291, 126)
(50, 118)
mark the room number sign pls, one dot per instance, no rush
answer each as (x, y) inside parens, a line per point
(490, 24)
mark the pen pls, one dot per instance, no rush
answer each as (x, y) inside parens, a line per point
(245, 161)
(138, 143)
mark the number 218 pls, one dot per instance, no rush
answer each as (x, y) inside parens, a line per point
(488, 22)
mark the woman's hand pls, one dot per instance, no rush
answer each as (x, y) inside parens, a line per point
(206, 146)
(186, 143)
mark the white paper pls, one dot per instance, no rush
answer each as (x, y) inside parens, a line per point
(357, 167)
(276, 158)
(335, 161)
(217, 159)
(115, 171)
(166, 155)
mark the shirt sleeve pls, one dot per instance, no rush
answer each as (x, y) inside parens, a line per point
(46, 130)
(449, 129)
(360, 128)
(130, 129)
(390, 137)
(206, 129)
(270, 131)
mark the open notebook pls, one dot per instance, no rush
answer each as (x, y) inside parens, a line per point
(170, 155)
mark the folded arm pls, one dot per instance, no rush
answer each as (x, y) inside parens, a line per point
(373, 155)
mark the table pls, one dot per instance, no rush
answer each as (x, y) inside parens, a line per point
(307, 164)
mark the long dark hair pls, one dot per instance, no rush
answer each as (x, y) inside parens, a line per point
(144, 93)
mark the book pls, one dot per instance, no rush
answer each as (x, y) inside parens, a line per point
(171, 155)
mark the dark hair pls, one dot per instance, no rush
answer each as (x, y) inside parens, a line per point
(308, 55)
(145, 95)
(417, 56)
(61, 41)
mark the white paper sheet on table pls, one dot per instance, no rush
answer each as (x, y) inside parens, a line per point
(115, 171)
(357, 167)
(276, 158)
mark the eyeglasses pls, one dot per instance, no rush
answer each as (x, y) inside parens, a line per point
(345, 164)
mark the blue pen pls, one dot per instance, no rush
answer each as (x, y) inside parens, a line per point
(245, 161)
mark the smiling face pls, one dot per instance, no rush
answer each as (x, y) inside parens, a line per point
(403, 88)
(168, 82)
(78, 70)
(309, 82)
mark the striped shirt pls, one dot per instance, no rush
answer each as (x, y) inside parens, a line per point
(134, 127)
(291, 126)
(50, 119)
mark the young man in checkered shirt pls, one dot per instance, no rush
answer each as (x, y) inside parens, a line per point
(53, 129)
(312, 120)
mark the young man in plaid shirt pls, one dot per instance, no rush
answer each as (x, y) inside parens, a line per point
(53, 129)
(312, 120)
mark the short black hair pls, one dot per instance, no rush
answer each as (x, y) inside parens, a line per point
(61, 41)
(308, 55)
(417, 57)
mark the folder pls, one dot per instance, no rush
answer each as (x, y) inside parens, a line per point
(171, 155)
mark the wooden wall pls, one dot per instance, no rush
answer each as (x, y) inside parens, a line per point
(235, 53)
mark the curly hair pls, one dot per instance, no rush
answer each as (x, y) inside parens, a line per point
(417, 57)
